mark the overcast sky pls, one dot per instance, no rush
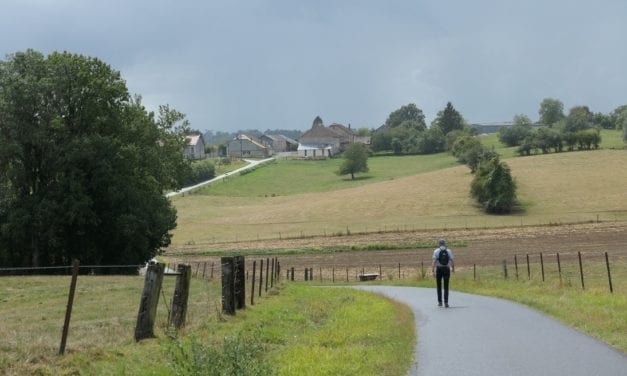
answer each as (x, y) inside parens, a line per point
(264, 64)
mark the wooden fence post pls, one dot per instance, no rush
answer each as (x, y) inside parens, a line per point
(504, 269)
(333, 271)
(609, 275)
(212, 271)
(583, 287)
(292, 276)
(181, 296)
(542, 265)
(260, 277)
(272, 277)
(306, 277)
(240, 281)
(267, 272)
(311, 274)
(70, 303)
(204, 269)
(228, 285)
(148, 303)
(559, 267)
(252, 289)
(516, 265)
(399, 270)
(528, 269)
(474, 272)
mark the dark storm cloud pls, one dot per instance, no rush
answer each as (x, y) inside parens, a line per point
(277, 64)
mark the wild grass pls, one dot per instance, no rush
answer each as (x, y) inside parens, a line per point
(346, 330)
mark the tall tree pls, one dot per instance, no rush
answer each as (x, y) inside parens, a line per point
(551, 111)
(579, 118)
(522, 120)
(448, 120)
(84, 165)
(355, 160)
(409, 116)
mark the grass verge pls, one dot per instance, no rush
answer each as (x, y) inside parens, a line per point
(291, 330)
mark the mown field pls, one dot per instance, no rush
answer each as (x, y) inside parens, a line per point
(302, 198)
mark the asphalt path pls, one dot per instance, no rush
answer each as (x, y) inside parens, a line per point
(486, 336)
(251, 164)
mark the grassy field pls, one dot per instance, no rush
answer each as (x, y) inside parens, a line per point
(291, 177)
(292, 330)
(553, 188)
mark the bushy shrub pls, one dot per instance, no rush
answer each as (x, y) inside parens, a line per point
(201, 171)
(493, 187)
(514, 135)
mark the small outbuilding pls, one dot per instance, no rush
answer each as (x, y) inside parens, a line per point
(244, 146)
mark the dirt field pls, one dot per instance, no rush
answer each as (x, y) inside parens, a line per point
(484, 247)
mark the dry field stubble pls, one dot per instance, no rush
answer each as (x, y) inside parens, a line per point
(556, 188)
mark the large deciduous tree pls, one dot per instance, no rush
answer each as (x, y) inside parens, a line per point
(551, 111)
(409, 116)
(579, 118)
(355, 160)
(83, 165)
(448, 120)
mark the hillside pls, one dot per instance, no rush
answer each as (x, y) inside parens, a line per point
(554, 188)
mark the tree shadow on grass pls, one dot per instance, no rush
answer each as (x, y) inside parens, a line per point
(358, 178)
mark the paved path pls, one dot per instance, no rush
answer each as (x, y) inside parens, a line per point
(251, 163)
(487, 336)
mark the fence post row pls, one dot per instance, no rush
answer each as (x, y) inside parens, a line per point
(148, 303)
(181, 296)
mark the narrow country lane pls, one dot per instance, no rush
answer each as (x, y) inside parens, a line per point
(251, 164)
(486, 336)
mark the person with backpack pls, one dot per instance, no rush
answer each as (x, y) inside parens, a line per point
(441, 269)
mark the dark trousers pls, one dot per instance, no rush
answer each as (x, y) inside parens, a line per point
(442, 272)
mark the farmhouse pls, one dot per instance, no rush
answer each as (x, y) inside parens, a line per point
(278, 142)
(321, 141)
(244, 146)
(195, 148)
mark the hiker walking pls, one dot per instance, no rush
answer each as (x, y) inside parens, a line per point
(441, 269)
